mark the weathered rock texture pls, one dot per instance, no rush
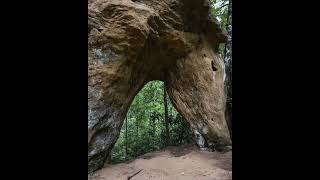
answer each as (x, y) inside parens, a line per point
(133, 42)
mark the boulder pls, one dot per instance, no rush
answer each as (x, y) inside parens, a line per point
(132, 42)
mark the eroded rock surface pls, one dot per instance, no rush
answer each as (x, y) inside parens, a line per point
(133, 42)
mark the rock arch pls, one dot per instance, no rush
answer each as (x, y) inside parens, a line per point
(134, 42)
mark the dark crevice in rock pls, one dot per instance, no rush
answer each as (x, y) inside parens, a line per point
(213, 67)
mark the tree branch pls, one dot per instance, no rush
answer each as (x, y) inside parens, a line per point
(129, 177)
(218, 9)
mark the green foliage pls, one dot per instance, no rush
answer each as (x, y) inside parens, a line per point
(180, 132)
(146, 125)
(219, 9)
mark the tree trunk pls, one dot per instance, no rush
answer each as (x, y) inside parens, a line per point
(153, 132)
(166, 119)
(127, 137)
(228, 69)
(181, 131)
(137, 134)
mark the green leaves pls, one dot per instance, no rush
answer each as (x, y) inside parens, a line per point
(219, 9)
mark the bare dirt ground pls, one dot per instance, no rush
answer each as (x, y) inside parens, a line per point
(173, 163)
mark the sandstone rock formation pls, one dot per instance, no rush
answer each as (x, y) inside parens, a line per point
(132, 42)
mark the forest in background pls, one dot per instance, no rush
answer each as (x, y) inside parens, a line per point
(152, 123)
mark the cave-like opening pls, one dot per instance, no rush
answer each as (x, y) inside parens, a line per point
(145, 126)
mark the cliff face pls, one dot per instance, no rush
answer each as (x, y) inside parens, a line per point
(133, 42)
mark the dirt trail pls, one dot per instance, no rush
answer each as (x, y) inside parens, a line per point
(173, 163)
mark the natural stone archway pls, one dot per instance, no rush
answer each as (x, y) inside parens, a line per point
(134, 42)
